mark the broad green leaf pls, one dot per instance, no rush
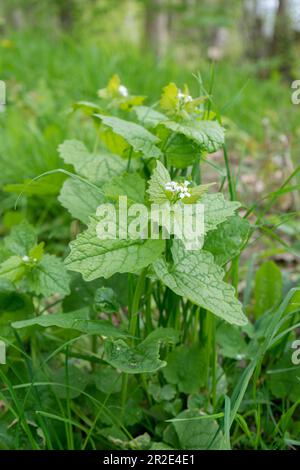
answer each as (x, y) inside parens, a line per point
(114, 142)
(173, 407)
(108, 380)
(12, 269)
(133, 412)
(6, 286)
(113, 433)
(36, 253)
(48, 185)
(159, 178)
(162, 335)
(78, 320)
(4, 251)
(194, 275)
(170, 436)
(7, 438)
(21, 239)
(10, 300)
(133, 360)
(48, 277)
(81, 293)
(94, 257)
(97, 168)
(197, 431)
(268, 288)
(294, 303)
(14, 307)
(186, 368)
(197, 192)
(131, 185)
(169, 100)
(141, 442)
(227, 240)
(209, 135)
(165, 393)
(87, 107)
(80, 199)
(217, 210)
(142, 358)
(284, 378)
(135, 135)
(10, 219)
(149, 117)
(106, 300)
(231, 341)
(172, 218)
(126, 104)
(70, 386)
(180, 151)
(160, 446)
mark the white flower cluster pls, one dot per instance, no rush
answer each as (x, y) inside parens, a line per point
(180, 189)
(26, 259)
(123, 90)
(183, 97)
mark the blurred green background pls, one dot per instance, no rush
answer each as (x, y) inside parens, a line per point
(54, 52)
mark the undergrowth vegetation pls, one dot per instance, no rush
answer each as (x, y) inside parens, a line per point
(144, 343)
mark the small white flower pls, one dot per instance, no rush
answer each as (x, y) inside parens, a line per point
(185, 98)
(184, 193)
(239, 357)
(26, 259)
(172, 186)
(123, 90)
(180, 189)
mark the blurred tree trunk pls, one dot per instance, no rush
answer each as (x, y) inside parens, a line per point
(156, 27)
(283, 38)
(252, 27)
(66, 13)
(14, 17)
(277, 43)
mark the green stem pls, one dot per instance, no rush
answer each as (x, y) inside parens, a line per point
(213, 361)
(124, 392)
(232, 191)
(197, 321)
(196, 172)
(208, 341)
(235, 273)
(69, 427)
(136, 302)
(94, 340)
(210, 90)
(134, 308)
